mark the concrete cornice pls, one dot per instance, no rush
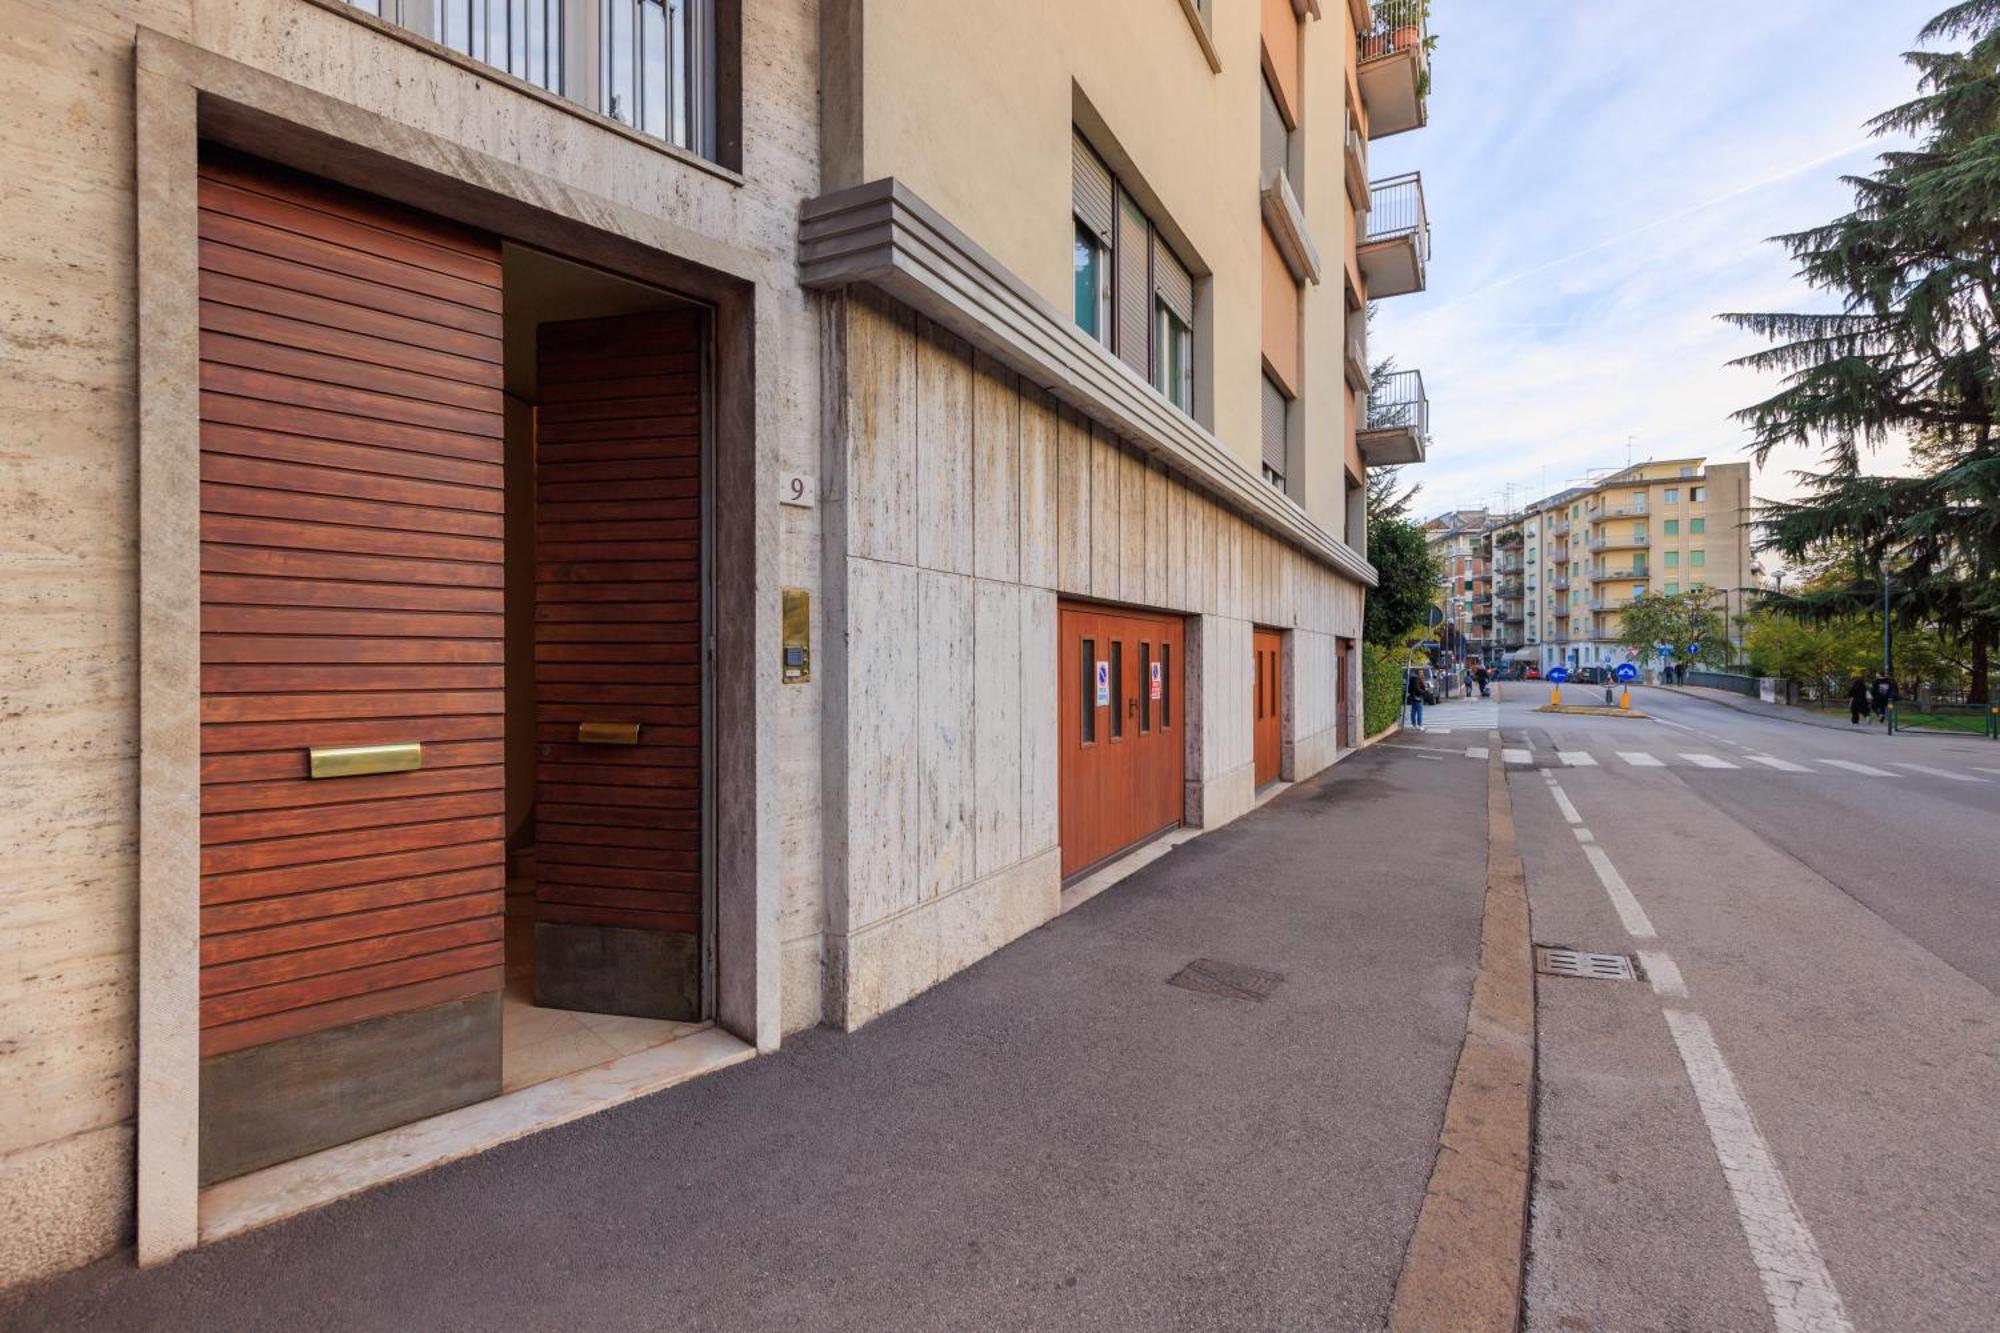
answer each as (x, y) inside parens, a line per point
(883, 235)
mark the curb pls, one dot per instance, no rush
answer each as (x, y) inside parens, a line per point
(1739, 708)
(1463, 1267)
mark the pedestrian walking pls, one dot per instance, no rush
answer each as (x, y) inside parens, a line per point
(1413, 694)
(1485, 677)
(1859, 703)
(1882, 693)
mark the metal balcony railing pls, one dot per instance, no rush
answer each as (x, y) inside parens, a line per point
(1558, 527)
(1399, 26)
(1636, 539)
(1637, 575)
(1629, 510)
(1399, 403)
(1396, 210)
(648, 63)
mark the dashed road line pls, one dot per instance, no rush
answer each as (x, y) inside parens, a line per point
(1564, 804)
(1864, 770)
(1640, 759)
(1664, 974)
(1637, 924)
(1707, 761)
(1782, 765)
(1677, 726)
(1796, 1284)
(1937, 772)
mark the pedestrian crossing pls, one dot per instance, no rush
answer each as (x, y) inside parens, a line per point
(1526, 755)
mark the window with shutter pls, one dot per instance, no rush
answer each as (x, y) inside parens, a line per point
(1277, 408)
(1134, 251)
(1173, 350)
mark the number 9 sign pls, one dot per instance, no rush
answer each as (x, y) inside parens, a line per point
(795, 488)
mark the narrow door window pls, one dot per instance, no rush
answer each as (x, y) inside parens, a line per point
(1260, 684)
(1145, 688)
(1089, 679)
(1117, 688)
(1166, 686)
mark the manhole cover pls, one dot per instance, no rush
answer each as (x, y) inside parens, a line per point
(1233, 980)
(1577, 963)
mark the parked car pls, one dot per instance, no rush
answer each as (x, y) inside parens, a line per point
(1590, 675)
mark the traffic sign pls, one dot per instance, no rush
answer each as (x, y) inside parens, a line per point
(1557, 675)
(1694, 650)
(1626, 672)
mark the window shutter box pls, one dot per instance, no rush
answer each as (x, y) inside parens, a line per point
(1135, 287)
(1090, 189)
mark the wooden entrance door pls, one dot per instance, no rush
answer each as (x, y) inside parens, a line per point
(351, 597)
(1267, 650)
(1343, 698)
(618, 665)
(1123, 748)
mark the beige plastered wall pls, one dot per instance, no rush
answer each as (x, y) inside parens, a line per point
(70, 872)
(972, 107)
(962, 504)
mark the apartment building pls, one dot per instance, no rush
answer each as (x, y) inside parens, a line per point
(1463, 541)
(557, 542)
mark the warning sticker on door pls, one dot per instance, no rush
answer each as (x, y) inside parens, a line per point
(1156, 680)
(1104, 684)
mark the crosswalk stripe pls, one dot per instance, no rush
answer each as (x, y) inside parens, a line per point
(1518, 756)
(1994, 771)
(1863, 769)
(1707, 761)
(1640, 759)
(1938, 772)
(1475, 752)
(1577, 758)
(1782, 765)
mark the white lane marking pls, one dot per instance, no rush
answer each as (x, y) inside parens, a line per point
(1796, 1283)
(1937, 772)
(1664, 974)
(1563, 804)
(1518, 756)
(1438, 731)
(1863, 769)
(1782, 765)
(1707, 761)
(1577, 758)
(1678, 726)
(1629, 912)
(1583, 835)
(1475, 752)
(1640, 759)
(1994, 771)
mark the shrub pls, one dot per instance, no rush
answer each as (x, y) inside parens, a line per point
(1381, 688)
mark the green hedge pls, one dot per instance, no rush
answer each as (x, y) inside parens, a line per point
(1382, 688)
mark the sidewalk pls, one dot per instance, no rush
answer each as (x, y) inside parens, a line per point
(1052, 1139)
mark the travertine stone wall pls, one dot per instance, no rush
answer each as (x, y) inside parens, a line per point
(961, 504)
(68, 484)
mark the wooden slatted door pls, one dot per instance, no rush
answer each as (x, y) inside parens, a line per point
(618, 666)
(1267, 651)
(351, 585)
(1123, 748)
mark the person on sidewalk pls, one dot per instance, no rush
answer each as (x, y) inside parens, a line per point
(1883, 694)
(1858, 702)
(1413, 695)
(1485, 678)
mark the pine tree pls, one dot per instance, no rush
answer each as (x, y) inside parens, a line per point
(1913, 352)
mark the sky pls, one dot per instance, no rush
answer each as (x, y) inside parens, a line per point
(1601, 179)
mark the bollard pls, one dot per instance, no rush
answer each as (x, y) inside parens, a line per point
(1556, 696)
(1625, 700)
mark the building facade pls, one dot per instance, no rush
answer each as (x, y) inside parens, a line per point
(559, 541)
(1463, 541)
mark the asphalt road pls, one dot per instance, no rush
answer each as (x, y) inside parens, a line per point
(1791, 1122)
(1053, 1139)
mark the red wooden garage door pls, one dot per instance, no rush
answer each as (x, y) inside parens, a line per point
(1122, 750)
(351, 585)
(1267, 652)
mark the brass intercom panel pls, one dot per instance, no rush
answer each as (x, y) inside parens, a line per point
(797, 658)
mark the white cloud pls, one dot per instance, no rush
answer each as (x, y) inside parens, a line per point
(1601, 182)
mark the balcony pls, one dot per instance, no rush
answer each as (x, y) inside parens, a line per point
(647, 63)
(1559, 556)
(1508, 565)
(1638, 575)
(1512, 615)
(1508, 540)
(1613, 542)
(1395, 68)
(1560, 583)
(1398, 428)
(1357, 350)
(1357, 167)
(1633, 509)
(1508, 588)
(1395, 252)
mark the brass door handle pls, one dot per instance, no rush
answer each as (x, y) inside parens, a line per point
(353, 761)
(607, 733)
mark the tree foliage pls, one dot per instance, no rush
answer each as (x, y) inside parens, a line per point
(1912, 352)
(1408, 570)
(1676, 618)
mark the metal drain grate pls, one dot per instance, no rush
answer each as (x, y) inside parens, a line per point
(1577, 963)
(1231, 980)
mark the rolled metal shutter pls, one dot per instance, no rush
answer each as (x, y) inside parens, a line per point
(1173, 283)
(1274, 427)
(1135, 287)
(1090, 189)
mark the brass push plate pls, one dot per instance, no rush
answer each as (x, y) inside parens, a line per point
(797, 655)
(353, 761)
(607, 733)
